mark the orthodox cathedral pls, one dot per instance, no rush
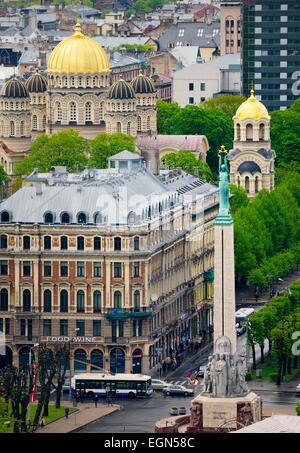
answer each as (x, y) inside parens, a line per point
(75, 94)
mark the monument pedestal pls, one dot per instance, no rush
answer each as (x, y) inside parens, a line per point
(209, 414)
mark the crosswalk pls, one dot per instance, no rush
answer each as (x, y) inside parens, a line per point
(181, 382)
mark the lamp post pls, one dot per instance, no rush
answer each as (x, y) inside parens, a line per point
(70, 376)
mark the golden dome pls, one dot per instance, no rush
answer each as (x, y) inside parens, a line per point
(78, 54)
(252, 109)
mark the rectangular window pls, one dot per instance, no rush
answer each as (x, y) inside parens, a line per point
(3, 267)
(80, 269)
(1, 324)
(7, 326)
(64, 269)
(191, 86)
(191, 100)
(63, 327)
(97, 328)
(202, 86)
(47, 327)
(26, 268)
(22, 327)
(121, 329)
(140, 328)
(136, 269)
(80, 324)
(47, 268)
(97, 269)
(134, 328)
(117, 270)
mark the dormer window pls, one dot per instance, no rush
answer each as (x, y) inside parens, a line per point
(5, 216)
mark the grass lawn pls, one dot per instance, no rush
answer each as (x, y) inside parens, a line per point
(269, 370)
(54, 414)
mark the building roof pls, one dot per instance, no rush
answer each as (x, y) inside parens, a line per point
(187, 55)
(249, 167)
(189, 33)
(112, 42)
(117, 60)
(274, 424)
(78, 54)
(36, 83)
(14, 88)
(219, 63)
(179, 142)
(125, 155)
(252, 109)
(142, 84)
(121, 90)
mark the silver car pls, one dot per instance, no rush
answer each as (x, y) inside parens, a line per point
(158, 384)
(178, 390)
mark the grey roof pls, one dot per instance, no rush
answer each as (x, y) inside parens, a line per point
(249, 167)
(117, 60)
(109, 192)
(187, 55)
(112, 42)
(125, 155)
(189, 36)
(233, 152)
(11, 31)
(267, 153)
(274, 424)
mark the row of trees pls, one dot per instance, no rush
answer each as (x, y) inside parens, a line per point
(213, 118)
(265, 226)
(277, 322)
(69, 148)
(17, 385)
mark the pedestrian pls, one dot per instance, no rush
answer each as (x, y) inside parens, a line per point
(67, 412)
(96, 400)
(189, 374)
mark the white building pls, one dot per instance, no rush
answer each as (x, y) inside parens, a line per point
(200, 81)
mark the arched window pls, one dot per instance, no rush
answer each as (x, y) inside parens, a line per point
(238, 132)
(96, 361)
(249, 132)
(139, 123)
(262, 132)
(119, 127)
(26, 300)
(3, 241)
(64, 243)
(81, 217)
(72, 81)
(65, 217)
(128, 128)
(97, 243)
(3, 299)
(131, 218)
(136, 243)
(64, 301)
(80, 301)
(247, 184)
(136, 300)
(80, 243)
(88, 111)
(22, 128)
(34, 123)
(98, 218)
(48, 217)
(26, 243)
(5, 216)
(117, 299)
(12, 129)
(79, 360)
(58, 111)
(148, 123)
(256, 184)
(73, 111)
(117, 244)
(97, 301)
(47, 242)
(47, 301)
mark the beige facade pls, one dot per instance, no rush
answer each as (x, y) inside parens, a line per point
(230, 22)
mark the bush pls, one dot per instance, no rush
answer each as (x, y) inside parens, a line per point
(273, 377)
(248, 376)
(298, 408)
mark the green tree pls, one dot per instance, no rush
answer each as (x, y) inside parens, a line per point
(287, 144)
(166, 111)
(188, 162)
(228, 103)
(239, 199)
(66, 147)
(105, 145)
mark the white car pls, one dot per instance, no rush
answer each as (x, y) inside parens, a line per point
(158, 384)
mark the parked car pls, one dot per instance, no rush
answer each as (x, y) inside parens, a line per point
(174, 410)
(298, 389)
(177, 390)
(158, 384)
(182, 410)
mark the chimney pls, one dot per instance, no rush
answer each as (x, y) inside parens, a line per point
(196, 172)
(38, 189)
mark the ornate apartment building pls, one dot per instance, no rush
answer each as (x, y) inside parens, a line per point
(117, 263)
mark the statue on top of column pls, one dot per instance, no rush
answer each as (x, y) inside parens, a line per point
(223, 181)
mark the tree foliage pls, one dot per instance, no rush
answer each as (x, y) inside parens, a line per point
(189, 163)
(285, 134)
(228, 103)
(239, 199)
(105, 145)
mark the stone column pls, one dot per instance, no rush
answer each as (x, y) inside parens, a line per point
(224, 290)
(127, 284)
(17, 283)
(35, 283)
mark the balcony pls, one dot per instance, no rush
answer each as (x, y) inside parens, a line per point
(141, 314)
(25, 339)
(117, 314)
(116, 340)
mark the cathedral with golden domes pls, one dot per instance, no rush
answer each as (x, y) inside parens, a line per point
(75, 94)
(252, 159)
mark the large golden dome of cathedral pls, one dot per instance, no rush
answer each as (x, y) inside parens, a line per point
(78, 54)
(252, 109)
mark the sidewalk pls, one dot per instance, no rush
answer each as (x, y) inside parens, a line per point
(85, 414)
(258, 385)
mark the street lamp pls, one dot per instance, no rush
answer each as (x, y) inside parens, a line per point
(70, 374)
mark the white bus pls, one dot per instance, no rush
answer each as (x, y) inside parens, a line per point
(241, 317)
(113, 385)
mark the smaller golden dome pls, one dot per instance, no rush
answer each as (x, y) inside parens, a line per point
(252, 109)
(78, 54)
